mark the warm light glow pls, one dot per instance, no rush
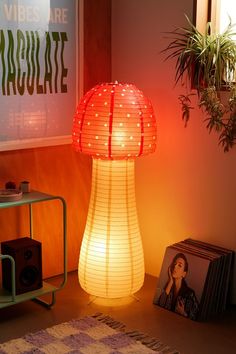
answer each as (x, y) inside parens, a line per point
(111, 259)
(111, 302)
(114, 123)
(107, 116)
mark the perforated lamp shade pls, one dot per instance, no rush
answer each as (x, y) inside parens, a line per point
(114, 123)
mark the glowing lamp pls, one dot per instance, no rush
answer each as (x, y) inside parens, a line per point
(114, 123)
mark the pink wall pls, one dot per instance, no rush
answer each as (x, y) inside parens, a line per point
(188, 187)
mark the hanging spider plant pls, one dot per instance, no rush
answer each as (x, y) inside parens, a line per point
(206, 62)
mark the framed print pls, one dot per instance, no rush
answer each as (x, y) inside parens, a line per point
(40, 71)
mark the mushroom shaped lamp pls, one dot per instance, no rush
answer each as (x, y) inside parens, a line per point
(115, 124)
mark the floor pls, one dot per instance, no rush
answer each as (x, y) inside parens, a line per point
(217, 336)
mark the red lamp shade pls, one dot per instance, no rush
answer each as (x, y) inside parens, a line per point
(114, 121)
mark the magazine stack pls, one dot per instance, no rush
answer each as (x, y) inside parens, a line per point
(195, 279)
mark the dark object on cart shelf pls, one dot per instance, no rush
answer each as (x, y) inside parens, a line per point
(27, 254)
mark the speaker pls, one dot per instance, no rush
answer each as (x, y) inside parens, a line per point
(27, 254)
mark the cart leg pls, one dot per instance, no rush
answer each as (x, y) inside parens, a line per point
(45, 303)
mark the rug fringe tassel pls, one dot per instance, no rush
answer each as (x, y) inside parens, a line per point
(109, 321)
(150, 342)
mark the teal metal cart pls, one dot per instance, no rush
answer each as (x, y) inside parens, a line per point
(10, 298)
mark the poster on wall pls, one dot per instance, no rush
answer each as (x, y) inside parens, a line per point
(38, 72)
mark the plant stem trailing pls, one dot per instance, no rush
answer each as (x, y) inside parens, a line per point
(206, 62)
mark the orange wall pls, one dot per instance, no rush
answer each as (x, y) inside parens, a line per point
(55, 170)
(59, 170)
(97, 42)
(187, 187)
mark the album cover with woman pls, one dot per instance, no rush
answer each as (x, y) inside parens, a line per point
(182, 281)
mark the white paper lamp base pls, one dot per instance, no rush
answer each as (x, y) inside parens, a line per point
(111, 263)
